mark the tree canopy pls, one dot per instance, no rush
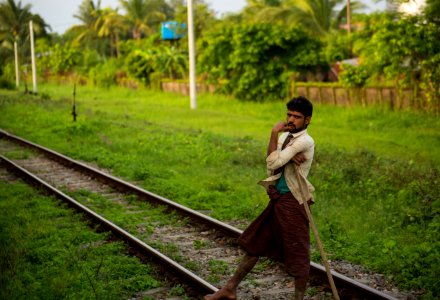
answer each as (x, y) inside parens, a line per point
(14, 24)
(254, 61)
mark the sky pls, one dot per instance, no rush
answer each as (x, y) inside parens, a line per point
(59, 13)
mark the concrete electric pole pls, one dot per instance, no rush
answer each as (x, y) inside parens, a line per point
(192, 56)
(17, 73)
(34, 69)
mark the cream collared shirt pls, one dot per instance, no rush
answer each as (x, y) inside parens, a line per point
(301, 142)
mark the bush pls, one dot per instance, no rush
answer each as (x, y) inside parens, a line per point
(151, 65)
(57, 59)
(104, 75)
(352, 76)
(253, 61)
(6, 84)
(9, 72)
(405, 51)
(337, 47)
(140, 64)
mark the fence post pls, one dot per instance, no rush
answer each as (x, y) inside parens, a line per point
(380, 96)
(292, 89)
(364, 97)
(320, 94)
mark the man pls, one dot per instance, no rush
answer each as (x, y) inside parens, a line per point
(281, 232)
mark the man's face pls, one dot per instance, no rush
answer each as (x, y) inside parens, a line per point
(296, 121)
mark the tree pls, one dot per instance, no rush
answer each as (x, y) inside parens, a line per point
(204, 16)
(86, 33)
(14, 22)
(110, 24)
(14, 28)
(255, 61)
(143, 15)
(172, 63)
(405, 51)
(62, 59)
(254, 7)
(316, 16)
(432, 11)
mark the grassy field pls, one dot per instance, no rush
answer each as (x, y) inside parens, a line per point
(404, 135)
(376, 172)
(48, 252)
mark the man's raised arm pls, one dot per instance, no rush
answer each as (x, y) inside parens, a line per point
(273, 141)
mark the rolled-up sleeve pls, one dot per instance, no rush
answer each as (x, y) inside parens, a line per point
(279, 158)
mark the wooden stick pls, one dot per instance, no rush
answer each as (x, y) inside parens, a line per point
(302, 186)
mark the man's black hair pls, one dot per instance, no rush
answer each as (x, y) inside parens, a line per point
(301, 104)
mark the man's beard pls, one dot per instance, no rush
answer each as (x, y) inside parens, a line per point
(295, 129)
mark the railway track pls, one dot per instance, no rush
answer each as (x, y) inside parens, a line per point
(195, 248)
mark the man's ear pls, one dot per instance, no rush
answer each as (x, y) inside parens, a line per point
(308, 119)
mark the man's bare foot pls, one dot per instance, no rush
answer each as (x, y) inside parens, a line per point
(223, 293)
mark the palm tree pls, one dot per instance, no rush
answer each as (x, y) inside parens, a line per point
(14, 28)
(205, 16)
(317, 16)
(253, 7)
(142, 15)
(88, 14)
(110, 24)
(14, 23)
(173, 63)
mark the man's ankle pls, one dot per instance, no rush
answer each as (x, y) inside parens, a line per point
(300, 287)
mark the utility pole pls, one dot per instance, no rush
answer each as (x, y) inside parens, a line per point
(350, 50)
(17, 74)
(348, 17)
(192, 56)
(34, 69)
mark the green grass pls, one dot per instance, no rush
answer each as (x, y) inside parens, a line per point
(48, 252)
(405, 135)
(375, 171)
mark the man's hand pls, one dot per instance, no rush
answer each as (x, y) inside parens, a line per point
(276, 129)
(298, 159)
(280, 127)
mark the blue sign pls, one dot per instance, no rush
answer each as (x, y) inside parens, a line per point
(173, 30)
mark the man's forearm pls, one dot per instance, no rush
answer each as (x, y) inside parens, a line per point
(273, 142)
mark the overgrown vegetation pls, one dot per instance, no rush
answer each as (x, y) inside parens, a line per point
(375, 172)
(256, 62)
(405, 52)
(398, 199)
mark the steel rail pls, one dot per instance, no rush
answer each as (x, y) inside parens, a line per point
(340, 280)
(346, 282)
(133, 241)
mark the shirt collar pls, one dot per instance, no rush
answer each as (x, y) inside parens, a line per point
(297, 134)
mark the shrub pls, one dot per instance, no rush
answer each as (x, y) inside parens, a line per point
(352, 76)
(337, 47)
(405, 51)
(253, 61)
(6, 84)
(57, 59)
(140, 64)
(150, 65)
(104, 75)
